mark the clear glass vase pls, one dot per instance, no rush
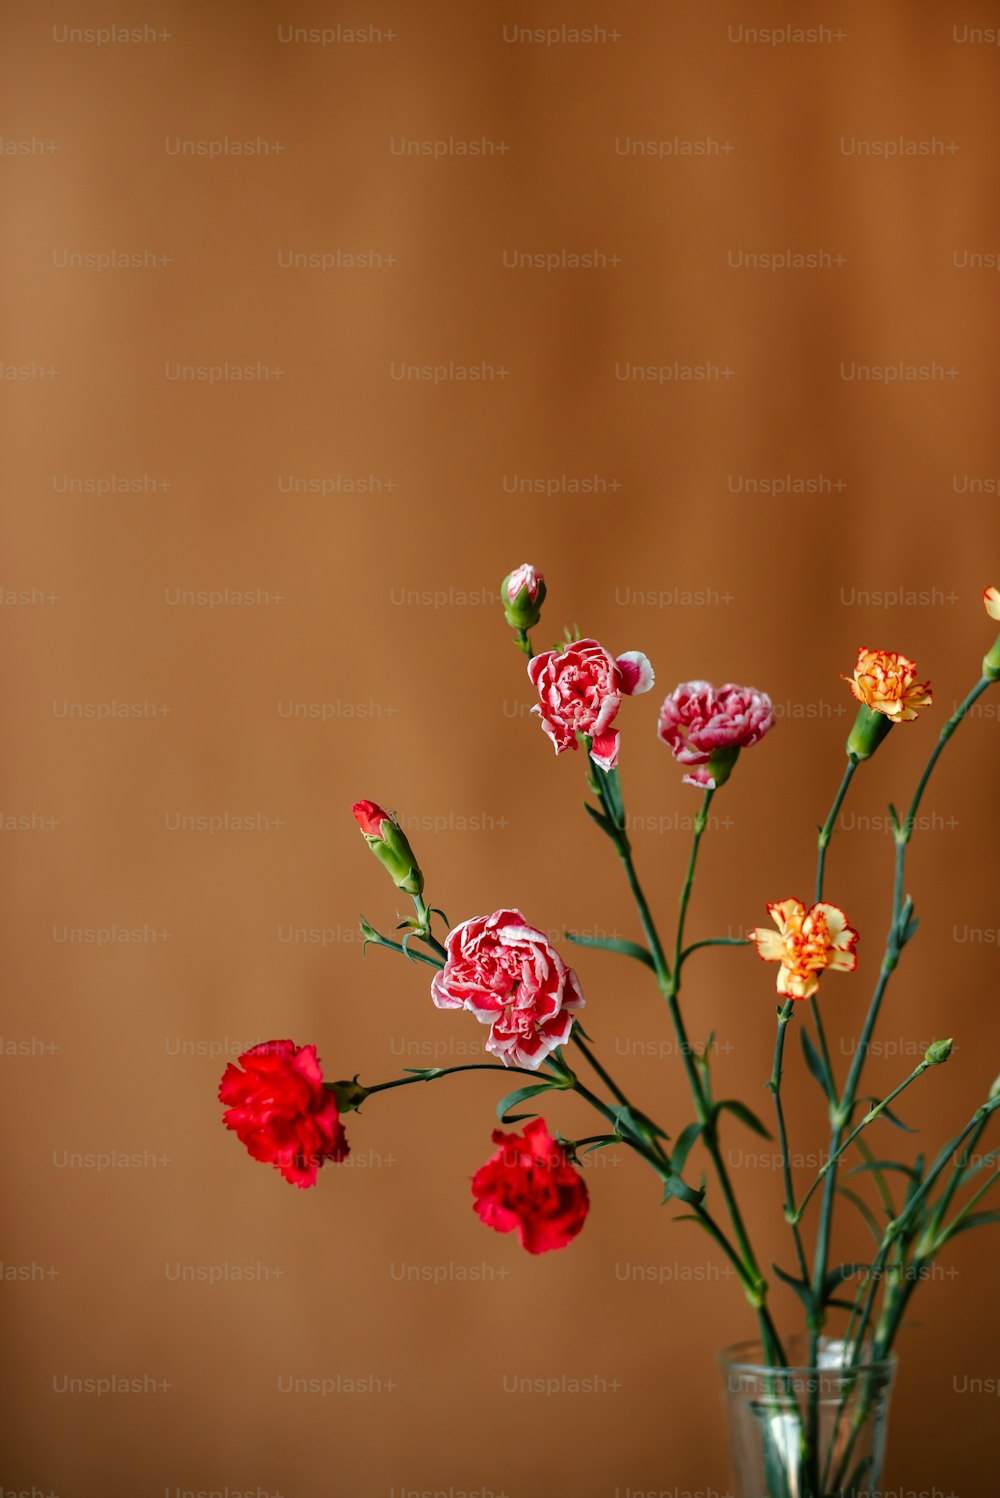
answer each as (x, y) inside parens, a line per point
(802, 1432)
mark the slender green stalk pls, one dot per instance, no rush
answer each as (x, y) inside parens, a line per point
(791, 1215)
(869, 1118)
(657, 1156)
(949, 728)
(700, 823)
(903, 1221)
(645, 915)
(952, 1185)
(434, 1073)
(612, 1086)
(714, 941)
(375, 938)
(826, 831)
(966, 1211)
(817, 1315)
(894, 943)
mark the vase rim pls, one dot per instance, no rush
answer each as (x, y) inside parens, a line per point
(739, 1357)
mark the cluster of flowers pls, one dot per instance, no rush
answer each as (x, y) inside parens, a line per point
(507, 974)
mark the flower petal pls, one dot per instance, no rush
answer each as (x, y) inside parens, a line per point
(636, 672)
(770, 946)
(604, 749)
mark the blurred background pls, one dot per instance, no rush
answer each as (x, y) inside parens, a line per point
(317, 323)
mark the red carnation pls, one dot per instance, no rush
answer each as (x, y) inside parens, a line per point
(530, 1185)
(278, 1109)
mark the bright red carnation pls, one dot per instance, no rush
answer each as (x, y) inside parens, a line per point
(530, 1185)
(278, 1109)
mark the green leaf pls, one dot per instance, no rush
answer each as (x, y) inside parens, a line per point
(886, 1113)
(907, 1170)
(611, 792)
(520, 1095)
(909, 931)
(613, 944)
(427, 1072)
(974, 1220)
(865, 1211)
(630, 1123)
(673, 1186)
(816, 1065)
(915, 1183)
(685, 1141)
(692, 1217)
(837, 1277)
(745, 1115)
(602, 1144)
(702, 1067)
(603, 822)
(802, 1290)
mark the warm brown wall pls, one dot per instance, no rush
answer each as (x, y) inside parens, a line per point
(444, 739)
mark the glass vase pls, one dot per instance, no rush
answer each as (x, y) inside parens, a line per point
(806, 1432)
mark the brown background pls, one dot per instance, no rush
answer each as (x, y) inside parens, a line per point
(424, 704)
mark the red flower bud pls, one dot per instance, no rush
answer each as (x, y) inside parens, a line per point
(370, 817)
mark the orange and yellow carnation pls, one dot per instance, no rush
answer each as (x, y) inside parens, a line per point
(806, 943)
(885, 682)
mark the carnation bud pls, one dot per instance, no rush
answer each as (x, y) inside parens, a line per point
(389, 843)
(991, 661)
(938, 1051)
(870, 728)
(523, 593)
(995, 1090)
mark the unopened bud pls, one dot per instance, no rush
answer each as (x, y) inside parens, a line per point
(523, 593)
(938, 1051)
(390, 845)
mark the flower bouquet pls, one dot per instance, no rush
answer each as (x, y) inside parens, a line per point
(807, 1413)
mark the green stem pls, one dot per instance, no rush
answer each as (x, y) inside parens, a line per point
(754, 1284)
(433, 1073)
(817, 1313)
(903, 1221)
(960, 1217)
(612, 1086)
(949, 728)
(791, 1216)
(954, 1181)
(826, 831)
(894, 942)
(645, 915)
(714, 941)
(700, 823)
(869, 1118)
(375, 938)
(894, 1230)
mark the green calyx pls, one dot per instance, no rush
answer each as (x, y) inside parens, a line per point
(392, 849)
(991, 662)
(523, 611)
(870, 728)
